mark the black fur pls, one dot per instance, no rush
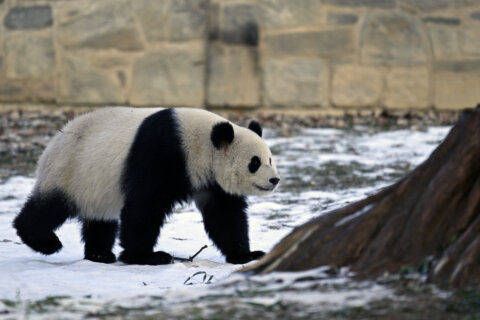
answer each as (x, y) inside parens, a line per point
(222, 134)
(254, 164)
(225, 221)
(41, 215)
(99, 238)
(154, 180)
(255, 127)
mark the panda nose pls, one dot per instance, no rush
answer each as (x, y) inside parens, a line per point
(274, 181)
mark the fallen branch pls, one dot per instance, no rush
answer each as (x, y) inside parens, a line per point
(190, 259)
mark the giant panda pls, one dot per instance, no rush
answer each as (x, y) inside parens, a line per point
(132, 165)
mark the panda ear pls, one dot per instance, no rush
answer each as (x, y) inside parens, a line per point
(222, 134)
(255, 127)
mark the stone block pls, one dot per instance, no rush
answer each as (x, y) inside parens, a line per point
(445, 42)
(385, 4)
(79, 81)
(33, 17)
(356, 86)
(341, 19)
(455, 91)
(172, 20)
(435, 5)
(393, 38)
(326, 43)
(29, 56)
(42, 90)
(233, 76)
(470, 43)
(172, 76)
(282, 14)
(449, 21)
(108, 24)
(457, 66)
(10, 91)
(240, 24)
(407, 88)
(295, 83)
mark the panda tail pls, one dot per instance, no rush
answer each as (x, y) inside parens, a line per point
(40, 216)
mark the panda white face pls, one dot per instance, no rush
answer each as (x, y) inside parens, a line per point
(243, 161)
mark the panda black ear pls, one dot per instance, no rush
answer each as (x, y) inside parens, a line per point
(222, 134)
(255, 127)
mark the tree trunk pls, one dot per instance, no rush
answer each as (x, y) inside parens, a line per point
(433, 214)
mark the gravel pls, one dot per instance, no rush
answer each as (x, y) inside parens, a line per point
(25, 133)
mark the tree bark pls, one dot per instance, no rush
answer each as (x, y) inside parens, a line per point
(433, 214)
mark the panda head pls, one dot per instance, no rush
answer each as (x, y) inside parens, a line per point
(243, 163)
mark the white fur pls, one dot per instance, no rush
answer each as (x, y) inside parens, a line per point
(87, 157)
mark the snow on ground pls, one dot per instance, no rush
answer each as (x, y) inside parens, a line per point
(321, 169)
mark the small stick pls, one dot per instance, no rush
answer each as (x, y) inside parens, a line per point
(198, 252)
(190, 259)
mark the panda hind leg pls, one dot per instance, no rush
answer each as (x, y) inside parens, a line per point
(99, 238)
(41, 215)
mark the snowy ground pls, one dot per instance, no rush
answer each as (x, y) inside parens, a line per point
(320, 168)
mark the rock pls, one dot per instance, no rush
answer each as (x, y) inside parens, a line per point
(407, 88)
(295, 83)
(108, 24)
(386, 4)
(356, 86)
(281, 14)
(29, 56)
(172, 76)
(445, 41)
(312, 43)
(81, 82)
(172, 20)
(34, 17)
(470, 43)
(233, 76)
(341, 19)
(392, 38)
(454, 91)
(475, 15)
(240, 24)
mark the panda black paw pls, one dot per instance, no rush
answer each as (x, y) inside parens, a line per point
(153, 258)
(101, 257)
(46, 243)
(245, 257)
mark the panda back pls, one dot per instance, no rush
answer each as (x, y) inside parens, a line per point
(86, 158)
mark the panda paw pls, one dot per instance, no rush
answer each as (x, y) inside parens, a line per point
(245, 257)
(153, 258)
(100, 257)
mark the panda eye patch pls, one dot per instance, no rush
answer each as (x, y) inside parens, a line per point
(254, 164)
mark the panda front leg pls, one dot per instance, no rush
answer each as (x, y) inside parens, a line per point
(139, 230)
(225, 221)
(99, 237)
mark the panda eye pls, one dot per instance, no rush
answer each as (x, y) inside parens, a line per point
(254, 164)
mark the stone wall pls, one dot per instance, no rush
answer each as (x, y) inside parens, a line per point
(399, 54)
